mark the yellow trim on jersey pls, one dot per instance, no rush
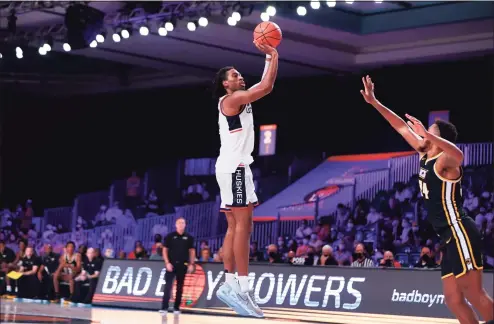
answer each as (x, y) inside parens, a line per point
(446, 276)
(434, 157)
(444, 179)
(449, 219)
(462, 228)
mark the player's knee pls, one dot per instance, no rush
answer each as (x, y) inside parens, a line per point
(453, 299)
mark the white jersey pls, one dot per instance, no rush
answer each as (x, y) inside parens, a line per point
(237, 139)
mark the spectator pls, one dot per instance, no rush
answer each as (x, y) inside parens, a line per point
(218, 257)
(282, 247)
(373, 216)
(303, 249)
(303, 230)
(255, 254)
(49, 265)
(122, 255)
(388, 261)
(89, 275)
(290, 256)
(153, 205)
(342, 216)
(273, 255)
(310, 258)
(28, 284)
(471, 203)
(158, 239)
(206, 255)
(426, 260)
(342, 256)
(315, 242)
(327, 258)
(132, 255)
(7, 258)
(361, 259)
(158, 252)
(403, 193)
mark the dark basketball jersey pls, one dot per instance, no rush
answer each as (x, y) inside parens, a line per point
(443, 198)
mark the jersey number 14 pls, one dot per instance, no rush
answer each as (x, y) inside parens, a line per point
(423, 189)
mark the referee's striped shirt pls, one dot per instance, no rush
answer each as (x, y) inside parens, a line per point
(367, 263)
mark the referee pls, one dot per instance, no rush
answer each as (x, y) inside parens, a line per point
(179, 255)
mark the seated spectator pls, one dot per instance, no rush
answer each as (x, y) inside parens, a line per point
(89, 275)
(122, 255)
(315, 242)
(28, 284)
(132, 255)
(218, 257)
(388, 261)
(158, 239)
(303, 249)
(206, 255)
(255, 254)
(7, 258)
(327, 258)
(49, 265)
(373, 216)
(310, 258)
(342, 216)
(342, 256)
(289, 257)
(361, 261)
(282, 247)
(273, 255)
(471, 202)
(304, 230)
(158, 252)
(69, 267)
(426, 260)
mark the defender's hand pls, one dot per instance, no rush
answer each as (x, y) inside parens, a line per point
(368, 92)
(169, 267)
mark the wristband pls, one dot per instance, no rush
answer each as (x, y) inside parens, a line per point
(268, 56)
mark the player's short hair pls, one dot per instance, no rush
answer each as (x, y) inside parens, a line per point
(447, 130)
(221, 75)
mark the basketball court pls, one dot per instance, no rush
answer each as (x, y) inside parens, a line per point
(12, 312)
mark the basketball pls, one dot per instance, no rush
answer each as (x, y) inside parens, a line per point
(268, 33)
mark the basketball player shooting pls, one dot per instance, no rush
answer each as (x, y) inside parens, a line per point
(440, 177)
(238, 197)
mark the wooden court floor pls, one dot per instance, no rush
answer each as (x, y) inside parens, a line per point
(23, 313)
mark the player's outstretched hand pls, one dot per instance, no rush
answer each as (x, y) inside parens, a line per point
(368, 92)
(416, 125)
(266, 49)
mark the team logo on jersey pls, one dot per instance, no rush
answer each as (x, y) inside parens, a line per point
(422, 173)
(248, 109)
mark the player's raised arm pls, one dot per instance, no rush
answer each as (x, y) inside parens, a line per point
(243, 97)
(393, 119)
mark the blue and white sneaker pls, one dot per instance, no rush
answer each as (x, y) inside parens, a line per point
(19, 300)
(226, 294)
(83, 305)
(247, 301)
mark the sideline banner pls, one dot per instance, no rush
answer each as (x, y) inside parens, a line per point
(140, 284)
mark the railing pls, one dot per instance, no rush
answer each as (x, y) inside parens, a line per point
(59, 215)
(368, 184)
(202, 219)
(88, 204)
(476, 154)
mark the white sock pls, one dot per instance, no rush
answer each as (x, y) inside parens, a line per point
(244, 283)
(9, 288)
(230, 279)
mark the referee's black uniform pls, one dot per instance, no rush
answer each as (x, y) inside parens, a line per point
(178, 246)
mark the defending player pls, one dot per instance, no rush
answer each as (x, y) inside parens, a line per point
(440, 184)
(238, 197)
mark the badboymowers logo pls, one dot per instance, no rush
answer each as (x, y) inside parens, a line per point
(417, 298)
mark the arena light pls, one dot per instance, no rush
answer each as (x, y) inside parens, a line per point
(331, 4)
(1, 56)
(378, 1)
(231, 21)
(191, 26)
(162, 31)
(100, 38)
(125, 33)
(47, 47)
(18, 50)
(66, 47)
(19, 55)
(264, 16)
(144, 30)
(42, 50)
(349, 1)
(271, 11)
(315, 5)
(93, 44)
(203, 21)
(236, 15)
(301, 11)
(169, 26)
(116, 37)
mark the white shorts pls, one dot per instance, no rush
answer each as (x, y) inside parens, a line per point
(237, 189)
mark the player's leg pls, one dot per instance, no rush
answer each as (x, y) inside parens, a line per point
(228, 256)
(453, 296)
(470, 283)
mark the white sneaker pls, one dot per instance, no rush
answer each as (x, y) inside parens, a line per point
(176, 312)
(226, 294)
(248, 301)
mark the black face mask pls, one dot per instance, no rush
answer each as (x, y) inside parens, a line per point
(425, 258)
(311, 255)
(272, 255)
(388, 263)
(359, 255)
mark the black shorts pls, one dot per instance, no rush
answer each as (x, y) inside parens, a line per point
(463, 249)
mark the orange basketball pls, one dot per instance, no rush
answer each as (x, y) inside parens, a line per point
(268, 33)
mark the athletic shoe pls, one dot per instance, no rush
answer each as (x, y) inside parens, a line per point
(248, 301)
(176, 312)
(19, 300)
(83, 305)
(226, 294)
